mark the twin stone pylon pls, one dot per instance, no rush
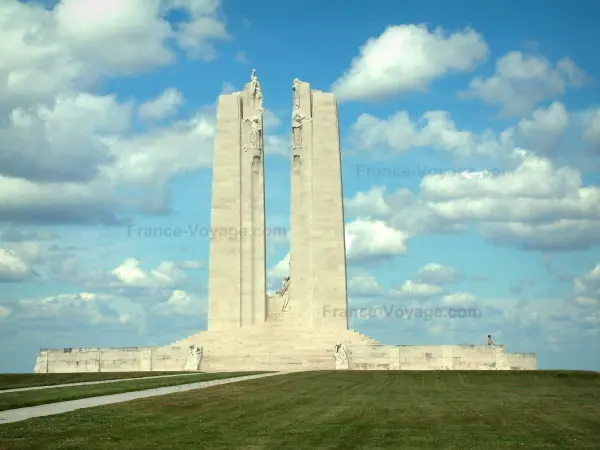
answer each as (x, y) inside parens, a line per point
(315, 296)
(304, 326)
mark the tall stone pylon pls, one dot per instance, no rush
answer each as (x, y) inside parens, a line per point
(237, 266)
(318, 292)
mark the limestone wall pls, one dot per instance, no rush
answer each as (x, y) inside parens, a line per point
(287, 352)
(224, 288)
(123, 359)
(522, 361)
(443, 357)
(318, 297)
(327, 225)
(237, 265)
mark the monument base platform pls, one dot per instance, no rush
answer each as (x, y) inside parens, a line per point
(281, 350)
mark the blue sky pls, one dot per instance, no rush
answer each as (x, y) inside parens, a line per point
(107, 116)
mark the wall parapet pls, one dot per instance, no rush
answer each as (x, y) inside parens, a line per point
(112, 359)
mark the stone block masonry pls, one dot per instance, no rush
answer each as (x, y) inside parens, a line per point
(317, 245)
(237, 268)
(120, 359)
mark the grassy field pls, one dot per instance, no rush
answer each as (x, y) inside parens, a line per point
(341, 410)
(22, 380)
(13, 400)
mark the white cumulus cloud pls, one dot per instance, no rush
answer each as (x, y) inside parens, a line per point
(367, 239)
(521, 81)
(13, 268)
(408, 58)
(437, 274)
(413, 290)
(458, 299)
(163, 106)
(364, 285)
(130, 274)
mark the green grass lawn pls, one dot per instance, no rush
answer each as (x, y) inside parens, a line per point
(13, 400)
(22, 380)
(341, 410)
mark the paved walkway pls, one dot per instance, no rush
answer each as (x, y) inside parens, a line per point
(84, 383)
(16, 415)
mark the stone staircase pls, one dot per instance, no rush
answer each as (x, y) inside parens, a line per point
(274, 348)
(369, 340)
(271, 348)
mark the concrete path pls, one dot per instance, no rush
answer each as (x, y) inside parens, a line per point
(84, 383)
(17, 415)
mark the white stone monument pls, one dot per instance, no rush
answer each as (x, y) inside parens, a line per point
(304, 326)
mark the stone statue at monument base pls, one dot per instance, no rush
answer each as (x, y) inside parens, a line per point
(194, 358)
(341, 357)
(284, 293)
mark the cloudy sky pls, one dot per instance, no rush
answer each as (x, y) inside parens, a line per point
(471, 170)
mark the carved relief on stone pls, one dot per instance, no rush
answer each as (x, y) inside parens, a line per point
(254, 130)
(297, 120)
(194, 358)
(341, 355)
(296, 163)
(256, 164)
(284, 294)
(296, 89)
